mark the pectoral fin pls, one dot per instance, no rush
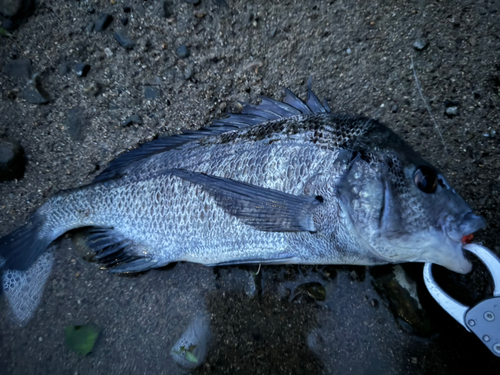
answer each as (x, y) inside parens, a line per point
(265, 209)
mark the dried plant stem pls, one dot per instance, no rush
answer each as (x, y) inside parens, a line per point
(419, 87)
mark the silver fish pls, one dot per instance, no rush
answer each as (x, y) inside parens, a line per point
(281, 182)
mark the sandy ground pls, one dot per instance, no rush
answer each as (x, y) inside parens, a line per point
(359, 54)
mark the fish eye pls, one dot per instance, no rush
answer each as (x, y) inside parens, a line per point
(426, 179)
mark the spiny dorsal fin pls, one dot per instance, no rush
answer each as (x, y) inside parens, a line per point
(268, 110)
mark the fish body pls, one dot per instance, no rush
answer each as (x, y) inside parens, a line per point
(282, 182)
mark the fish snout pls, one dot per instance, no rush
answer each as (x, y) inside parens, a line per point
(458, 227)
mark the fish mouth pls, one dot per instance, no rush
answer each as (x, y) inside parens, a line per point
(453, 258)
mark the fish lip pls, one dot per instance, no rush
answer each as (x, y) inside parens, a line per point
(470, 223)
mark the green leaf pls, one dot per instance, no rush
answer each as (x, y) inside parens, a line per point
(191, 357)
(81, 339)
(4, 32)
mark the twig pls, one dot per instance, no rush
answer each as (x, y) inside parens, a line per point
(427, 105)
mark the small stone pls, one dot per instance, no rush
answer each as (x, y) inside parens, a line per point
(420, 44)
(91, 11)
(126, 8)
(34, 93)
(161, 9)
(124, 21)
(394, 108)
(134, 119)
(200, 14)
(12, 161)
(188, 73)
(452, 111)
(103, 22)
(182, 51)
(75, 123)
(124, 40)
(81, 69)
(348, 51)
(19, 69)
(194, 2)
(108, 52)
(272, 32)
(151, 92)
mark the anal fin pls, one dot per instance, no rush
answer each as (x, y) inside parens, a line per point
(118, 253)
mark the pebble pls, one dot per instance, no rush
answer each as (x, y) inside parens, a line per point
(452, 111)
(161, 9)
(194, 2)
(12, 161)
(394, 108)
(108, 52)
(134, 119)
(19, 69)
(420, 44)
(188, 73)
(126, 8)
(34, 93)
(348, 51)
(124, 40)
(75, 123)
(182, 51)
(151, 92)
(81, 69)
(103, 22)
(124, 21)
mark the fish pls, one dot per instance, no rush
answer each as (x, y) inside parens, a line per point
(282, 182)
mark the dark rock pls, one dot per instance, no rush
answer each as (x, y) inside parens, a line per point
(81, 69)
(16, 9)
(400, 291)
(34, 93)
(124, 40)
(161, 9)
(19, 69)
(75, 123)
(182, 51)
(394, 108)
(134, 119)
(124, 21)
(194, 2)
(151, 93)
(420, 44)
(91, 10)
(126, 8)
(12, 161)
(103, 22)
(139, 9)
(8, 24)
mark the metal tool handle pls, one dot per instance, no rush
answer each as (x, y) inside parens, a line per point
(484, 318)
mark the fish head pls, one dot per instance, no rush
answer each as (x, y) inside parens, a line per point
(403, 208)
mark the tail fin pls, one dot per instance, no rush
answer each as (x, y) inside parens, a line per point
(21, 248)
(24, 289)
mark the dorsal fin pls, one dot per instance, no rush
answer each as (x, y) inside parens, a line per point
(268, 110)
